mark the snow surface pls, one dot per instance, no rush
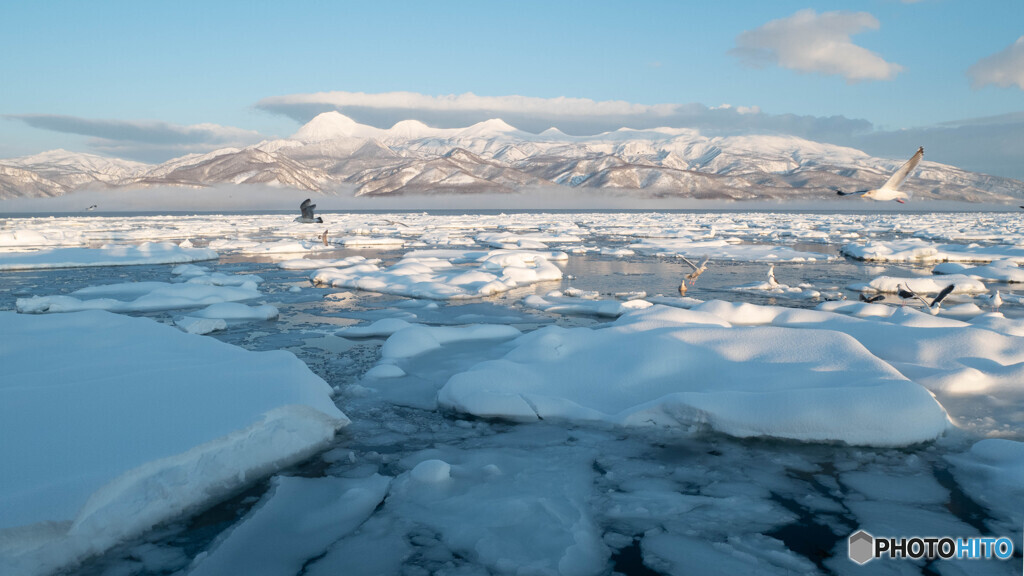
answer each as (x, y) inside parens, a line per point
(424, 275)
(557, 302)
(137, 423)
(109, 255)
(715, 432)
(812, 385)
(145, 297)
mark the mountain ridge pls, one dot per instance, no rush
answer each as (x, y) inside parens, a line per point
(334, 153)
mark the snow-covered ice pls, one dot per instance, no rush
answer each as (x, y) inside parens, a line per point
(110, 255)
(518, 404)
(562, 304)
(113, 424)
(923, 285)
(423, 275)
(668, 367)
(144, 297)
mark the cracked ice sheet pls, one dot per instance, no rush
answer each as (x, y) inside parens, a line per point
(109, 255)
(437, 275)
(193, 419)
(730, 251)
(992, 473)
(299, 519)
(685, 369)
(510, 505)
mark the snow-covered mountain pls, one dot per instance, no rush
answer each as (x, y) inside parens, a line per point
(334, 153)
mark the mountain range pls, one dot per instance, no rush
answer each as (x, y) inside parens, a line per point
(335, 154)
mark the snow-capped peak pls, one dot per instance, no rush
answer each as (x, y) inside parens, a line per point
(333, 125)
(411, 129)
(488, 129)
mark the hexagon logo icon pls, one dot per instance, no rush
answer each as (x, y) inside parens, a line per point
(862, 547)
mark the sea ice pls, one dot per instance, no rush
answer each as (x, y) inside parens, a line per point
(299, 519)
(921, 252)
(556, 302)
(109, 255)
(812, 385)
(923, 285)
(315, 264)
(113, 424)
(726, 250)
(439, 277)
(998, 271)
(146, 297)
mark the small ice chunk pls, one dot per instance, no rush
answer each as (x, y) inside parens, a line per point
(432, 471)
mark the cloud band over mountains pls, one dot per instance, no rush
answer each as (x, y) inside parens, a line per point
(143, 140)
(575, 116)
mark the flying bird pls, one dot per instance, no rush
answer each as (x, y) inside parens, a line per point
(698, 269)
(890, 190)
(906, 292)
(307, 213)
(871, 299)
(691, 278)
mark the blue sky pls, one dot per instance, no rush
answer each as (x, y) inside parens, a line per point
(153, 80)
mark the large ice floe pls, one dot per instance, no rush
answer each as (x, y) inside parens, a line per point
(445, 275)
(670, 367)
(137, 423)
(109, 255)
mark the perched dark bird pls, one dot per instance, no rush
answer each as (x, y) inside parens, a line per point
(871, 299)
(307, 217)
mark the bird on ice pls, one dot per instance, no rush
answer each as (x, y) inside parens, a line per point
(307, 213)
(691, 278)
(995, 301)
(932, 307)
(890, 190)
(771, 276)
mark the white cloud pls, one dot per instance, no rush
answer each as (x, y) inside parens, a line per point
(1004, 69)
(578, 116)
(469, 102)
(817, 43)
(143, 140)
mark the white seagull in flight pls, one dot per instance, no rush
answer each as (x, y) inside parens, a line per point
(890, 190)
(691, 278)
